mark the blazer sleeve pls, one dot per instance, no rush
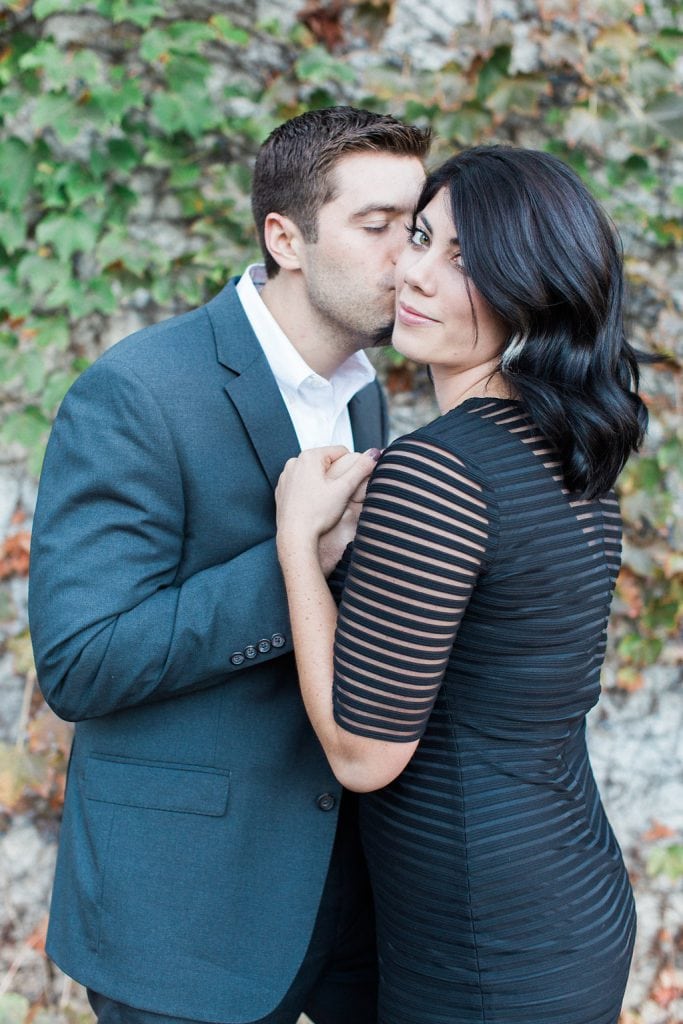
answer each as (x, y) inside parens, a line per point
(111, 625)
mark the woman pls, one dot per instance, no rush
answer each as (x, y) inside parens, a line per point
(454, 687)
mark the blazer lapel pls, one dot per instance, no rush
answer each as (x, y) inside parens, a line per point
(365, 415)
(253, 389)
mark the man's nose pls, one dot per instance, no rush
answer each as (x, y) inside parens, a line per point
(398, 241)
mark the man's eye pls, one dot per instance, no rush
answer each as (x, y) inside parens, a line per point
(375, 228)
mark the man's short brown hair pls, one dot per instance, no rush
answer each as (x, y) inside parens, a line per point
(292, 171)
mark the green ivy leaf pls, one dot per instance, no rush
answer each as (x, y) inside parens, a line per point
(668, 45)
(169, 113)
(122, 154)
(494, 70)
(17, 168)
(67, 233)
(30, 366)
(60, 113)
(56, 387)
(113, 102)
(12, 231)
(78, 182)
(40, 273)
(317, 67)
(184, 176)
(521, 95)
(15, 299)
(27, 427)
(666, 114)
(51, 331)
(60, 70)
(139, 12)
(226, 29)
(44, 8)
(666, 860)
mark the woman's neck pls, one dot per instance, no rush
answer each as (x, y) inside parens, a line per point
(485, 381)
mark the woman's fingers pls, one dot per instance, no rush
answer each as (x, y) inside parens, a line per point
(314, 489)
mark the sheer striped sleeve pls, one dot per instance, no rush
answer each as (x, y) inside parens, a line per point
(424, 537)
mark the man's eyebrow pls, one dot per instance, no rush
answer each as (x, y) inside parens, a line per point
(376, 208)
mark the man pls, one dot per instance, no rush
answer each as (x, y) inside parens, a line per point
(202, 875)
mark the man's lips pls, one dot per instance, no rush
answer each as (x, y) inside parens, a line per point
(412, 317)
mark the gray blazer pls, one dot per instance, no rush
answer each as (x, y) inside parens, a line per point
(198, 822)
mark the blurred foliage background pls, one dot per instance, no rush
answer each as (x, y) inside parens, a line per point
(127, 131)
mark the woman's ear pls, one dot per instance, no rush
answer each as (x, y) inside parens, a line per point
(283, 240)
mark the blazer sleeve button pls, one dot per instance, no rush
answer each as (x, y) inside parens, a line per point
(325, 801)
(237, 658)
(264, 646)
(250, 651)
(277, 640)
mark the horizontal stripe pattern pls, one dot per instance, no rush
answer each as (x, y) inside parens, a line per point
(474, 617)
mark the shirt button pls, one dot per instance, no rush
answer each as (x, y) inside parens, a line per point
(277, 640)
(325, 801)
(264, 646)
(237, 658)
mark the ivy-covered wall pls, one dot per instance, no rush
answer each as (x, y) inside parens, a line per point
(127, 131)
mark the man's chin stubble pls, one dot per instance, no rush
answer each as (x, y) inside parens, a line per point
(382, 337)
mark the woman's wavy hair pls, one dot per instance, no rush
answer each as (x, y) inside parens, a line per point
(546, 258)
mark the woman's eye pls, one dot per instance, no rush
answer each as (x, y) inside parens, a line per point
(418, 237)
(457, 259)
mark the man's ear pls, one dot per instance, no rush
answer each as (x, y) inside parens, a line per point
(283, 241)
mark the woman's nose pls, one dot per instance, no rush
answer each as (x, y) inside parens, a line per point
(416, 273)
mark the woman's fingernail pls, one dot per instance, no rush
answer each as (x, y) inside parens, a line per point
(374, 453)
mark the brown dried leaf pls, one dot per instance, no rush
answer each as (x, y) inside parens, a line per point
(48, 734)
(629, 590)
(324, 23)
(14, 555)
(657, 831)
(630, 678)
(668, 987)
(399, 378)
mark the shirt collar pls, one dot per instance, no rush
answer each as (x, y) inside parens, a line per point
(290, 370)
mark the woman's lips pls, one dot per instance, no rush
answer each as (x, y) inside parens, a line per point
(412, 317)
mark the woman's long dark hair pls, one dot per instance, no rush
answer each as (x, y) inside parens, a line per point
(548, 261)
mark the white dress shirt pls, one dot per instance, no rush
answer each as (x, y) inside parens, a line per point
(317, 407)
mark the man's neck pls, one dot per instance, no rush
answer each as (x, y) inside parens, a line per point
(311, 337)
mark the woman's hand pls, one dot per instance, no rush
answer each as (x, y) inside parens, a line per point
(313, 493)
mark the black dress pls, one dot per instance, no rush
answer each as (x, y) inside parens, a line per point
(474, 616)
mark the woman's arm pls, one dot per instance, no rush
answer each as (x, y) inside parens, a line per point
(422, 539)
(313, 491)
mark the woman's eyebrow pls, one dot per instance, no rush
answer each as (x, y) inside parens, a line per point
(453, 241)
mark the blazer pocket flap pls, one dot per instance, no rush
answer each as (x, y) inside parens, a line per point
(157, 787)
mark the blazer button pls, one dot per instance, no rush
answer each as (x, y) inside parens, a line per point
(277, 640)
(325, 801)
(264, 646)
(237, 658)
(250, 651)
